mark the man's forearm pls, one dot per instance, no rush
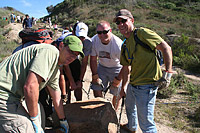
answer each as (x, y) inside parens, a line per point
(168, 59)
(69, 74)
(167, 54)
(125, 76)
(93, 64)
(57, 102)
(83, 67)
(31, 93)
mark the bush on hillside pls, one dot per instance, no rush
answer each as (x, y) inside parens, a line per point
(186, 55)
(3, 23)
(169, 5)
(6, 47)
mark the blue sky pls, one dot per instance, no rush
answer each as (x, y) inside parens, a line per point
(35, 8)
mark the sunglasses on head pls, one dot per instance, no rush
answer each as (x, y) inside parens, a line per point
(104, 32)
(122, 20)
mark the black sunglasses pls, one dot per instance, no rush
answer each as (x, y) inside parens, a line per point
(123, 21)
(104, 32)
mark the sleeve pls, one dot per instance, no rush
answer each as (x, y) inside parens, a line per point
(123, 59)
(54, 80)
(149, 37)
(93, 52)
(44, 62)
(87, 47)
(118, 47)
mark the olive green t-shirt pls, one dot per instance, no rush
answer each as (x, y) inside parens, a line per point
(145, 68)
(40, 59)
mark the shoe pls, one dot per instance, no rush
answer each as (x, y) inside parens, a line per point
(49, 122)
(124, 126)
(64, 98)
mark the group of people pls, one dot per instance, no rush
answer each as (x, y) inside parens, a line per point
(125, 68)
(18, 18)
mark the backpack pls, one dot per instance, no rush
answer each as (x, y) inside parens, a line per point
(158, 53)
(40, 35)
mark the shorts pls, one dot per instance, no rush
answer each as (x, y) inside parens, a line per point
(14, 118)
(107, 75)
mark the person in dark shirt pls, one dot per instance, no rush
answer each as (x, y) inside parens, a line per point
(27, 22)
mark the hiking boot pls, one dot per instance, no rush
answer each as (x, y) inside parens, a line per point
(49, 122)
(126, 128)
(64, 98)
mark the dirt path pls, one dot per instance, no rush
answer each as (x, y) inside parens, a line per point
(13, 35)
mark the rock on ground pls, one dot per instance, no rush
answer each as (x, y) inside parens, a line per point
(92, 116)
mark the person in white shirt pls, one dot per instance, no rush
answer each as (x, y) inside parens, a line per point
(108, 71)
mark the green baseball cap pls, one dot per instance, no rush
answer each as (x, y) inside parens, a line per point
(74, 44)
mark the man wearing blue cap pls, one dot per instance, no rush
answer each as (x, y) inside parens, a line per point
(24, 74)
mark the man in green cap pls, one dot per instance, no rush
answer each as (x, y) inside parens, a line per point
(24, 74)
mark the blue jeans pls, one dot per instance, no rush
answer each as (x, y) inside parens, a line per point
(140, 102)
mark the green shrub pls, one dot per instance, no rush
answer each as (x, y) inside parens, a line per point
(6, 47)
(169, 5)
(143, 4)
(3, 23)
(186, 55)
(180, 9)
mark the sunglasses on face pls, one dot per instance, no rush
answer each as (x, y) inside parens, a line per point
(122, 20)
(104, 32)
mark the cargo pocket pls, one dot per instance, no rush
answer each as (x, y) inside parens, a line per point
(14, 127)
(19, 124)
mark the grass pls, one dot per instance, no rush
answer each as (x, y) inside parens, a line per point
(181, 109)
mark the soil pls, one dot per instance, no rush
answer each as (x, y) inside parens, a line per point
(13, 35)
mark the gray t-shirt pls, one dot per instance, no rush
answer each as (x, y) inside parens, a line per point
(87, 46)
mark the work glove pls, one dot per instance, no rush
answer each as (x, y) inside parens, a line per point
(164, 81)
(36, 124)
(97, 81)
(64, 126)
(114, 85)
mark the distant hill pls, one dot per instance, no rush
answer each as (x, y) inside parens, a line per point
(6, 12)
(162, 16)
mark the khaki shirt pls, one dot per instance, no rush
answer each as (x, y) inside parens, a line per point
(40, 59)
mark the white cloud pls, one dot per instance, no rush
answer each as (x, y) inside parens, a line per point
(25, 3)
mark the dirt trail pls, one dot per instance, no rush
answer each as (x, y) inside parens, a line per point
(13, 35)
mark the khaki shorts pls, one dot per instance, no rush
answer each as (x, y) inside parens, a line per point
(14, 118)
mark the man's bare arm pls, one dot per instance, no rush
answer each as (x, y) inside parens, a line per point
(57, 102)
(31, 92)
(167, 54)
(125, 77)
(93, 64)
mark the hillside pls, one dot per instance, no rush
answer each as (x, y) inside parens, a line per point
(7, 11)
(163, 16)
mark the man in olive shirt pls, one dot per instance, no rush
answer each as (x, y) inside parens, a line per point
(24, 74)
(145, 74)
